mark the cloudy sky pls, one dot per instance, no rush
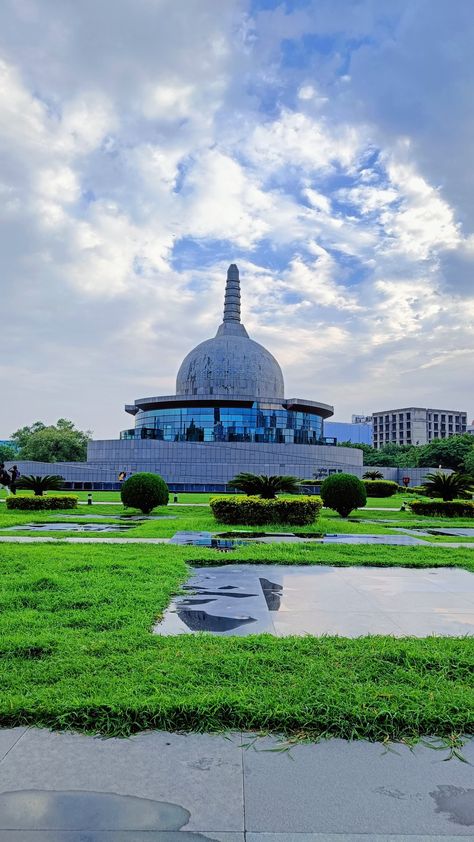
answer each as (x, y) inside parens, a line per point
(326, 146)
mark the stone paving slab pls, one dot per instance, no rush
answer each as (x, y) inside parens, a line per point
(343, 837)
(358, 788)
(14, 539)
(200, 773)
(242, 599)
(161, 787)
(119, 836)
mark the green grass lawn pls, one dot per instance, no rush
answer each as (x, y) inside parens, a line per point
(189, 497)
(199, 518)
(114, 496)
(77, 652)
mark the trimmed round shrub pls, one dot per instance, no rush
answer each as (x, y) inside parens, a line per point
(144, 491)
(343, 493)
(257, 511)
(439, 508)
(34, 504)
(380, 487)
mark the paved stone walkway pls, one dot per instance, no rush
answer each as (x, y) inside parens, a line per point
(37, 539)
(282, 600)
(161, 787)
(335, 539)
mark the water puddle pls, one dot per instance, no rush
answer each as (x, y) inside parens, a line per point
(456, 803)
(67, 810)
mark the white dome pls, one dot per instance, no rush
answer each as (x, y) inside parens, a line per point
(231, 364)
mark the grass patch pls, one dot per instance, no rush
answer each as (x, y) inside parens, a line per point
(198, 518)
(77, 652)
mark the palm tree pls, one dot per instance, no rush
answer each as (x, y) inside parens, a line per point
(448, 486)
(264, 486)
(50, 482)
(373, 475)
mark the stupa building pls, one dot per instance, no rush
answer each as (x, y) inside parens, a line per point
(229, 414)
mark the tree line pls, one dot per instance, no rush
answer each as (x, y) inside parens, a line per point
(455, 452)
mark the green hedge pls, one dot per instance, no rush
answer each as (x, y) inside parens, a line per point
(254, 511)
(380, 487)
(34, 504)
(414, 489)
(437, 508)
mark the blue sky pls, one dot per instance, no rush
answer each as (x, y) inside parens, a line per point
(323, 145)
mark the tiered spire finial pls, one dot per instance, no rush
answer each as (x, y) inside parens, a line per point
(232, 326)
(232, 295)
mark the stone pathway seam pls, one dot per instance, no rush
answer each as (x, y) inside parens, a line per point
(244, 822)
(14, 744)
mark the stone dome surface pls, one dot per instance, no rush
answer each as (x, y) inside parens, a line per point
(231, 364)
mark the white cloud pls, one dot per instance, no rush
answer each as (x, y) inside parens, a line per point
(131, 130)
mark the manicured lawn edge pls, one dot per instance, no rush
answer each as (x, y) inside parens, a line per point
(77, 652)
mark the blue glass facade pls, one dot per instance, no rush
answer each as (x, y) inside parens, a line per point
(257, 423)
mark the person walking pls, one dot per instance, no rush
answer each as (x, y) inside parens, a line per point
(14, 473)
(5, 478)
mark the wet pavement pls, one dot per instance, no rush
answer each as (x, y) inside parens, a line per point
(282, 600)
(71, 527)
(164, 787)
(467, 532)
(205, 539)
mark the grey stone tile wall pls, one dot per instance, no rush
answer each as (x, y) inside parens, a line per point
(213, 462)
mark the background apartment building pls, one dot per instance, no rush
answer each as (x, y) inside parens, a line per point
(416, 425)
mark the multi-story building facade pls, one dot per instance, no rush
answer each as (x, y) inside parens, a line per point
(416, 425)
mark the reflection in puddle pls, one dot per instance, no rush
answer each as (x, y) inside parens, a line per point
(202, 621)
(204, 539)
(196, 601)
(272, 593)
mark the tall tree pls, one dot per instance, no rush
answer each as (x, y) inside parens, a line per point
(61, 442)
(446, 453)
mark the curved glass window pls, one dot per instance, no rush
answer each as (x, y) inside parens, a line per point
(259, 423)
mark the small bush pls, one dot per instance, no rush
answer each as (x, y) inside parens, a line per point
(34, 504)
(414, 489)
(380, 488)
(343, 493)
(439, 508)
(255, 511)
(144, 491)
